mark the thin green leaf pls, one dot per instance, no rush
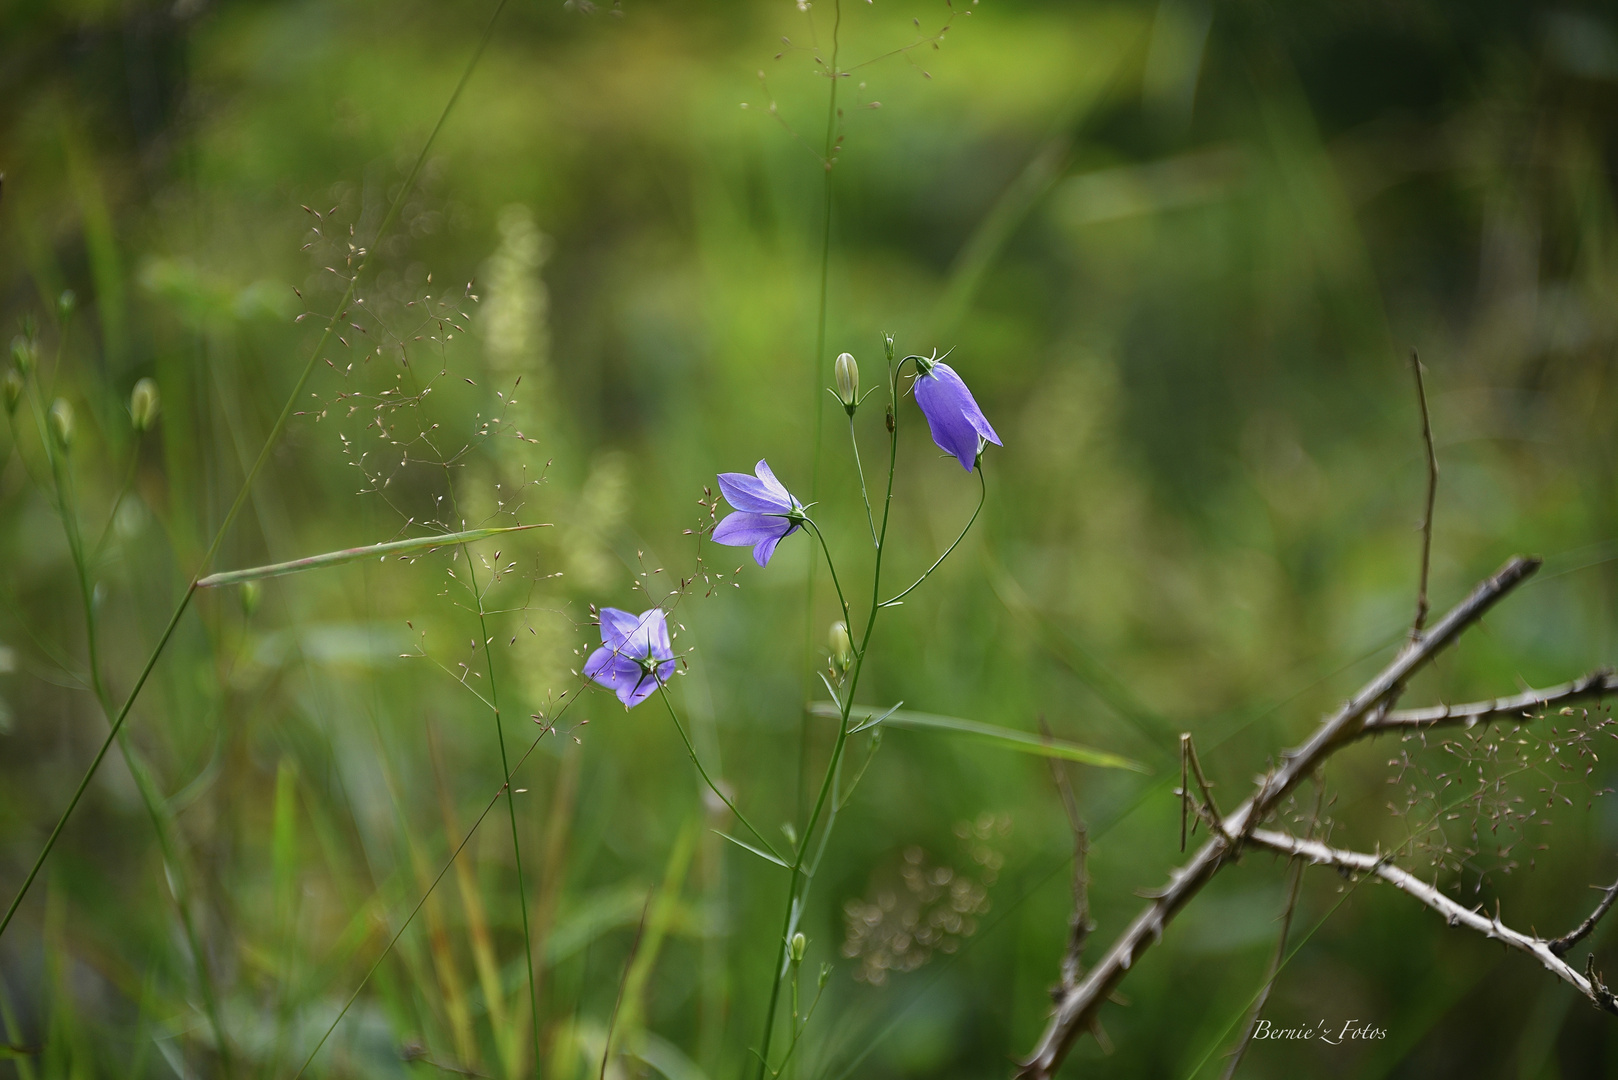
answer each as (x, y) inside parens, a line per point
(1006, 738)
(869, 724)
(402, 548)
(765, 855)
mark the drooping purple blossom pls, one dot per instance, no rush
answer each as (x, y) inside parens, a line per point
(765, 512)
(635, 657)
(953, 416)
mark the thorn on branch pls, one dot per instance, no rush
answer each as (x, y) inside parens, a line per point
(1598, 989)
(1561, 945)
(1207, 809)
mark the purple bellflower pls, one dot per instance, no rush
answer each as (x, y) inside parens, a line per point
(953, 416)
(635, 657)
(765, 512)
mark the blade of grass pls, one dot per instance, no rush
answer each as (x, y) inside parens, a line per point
(511, 805)
(664, 902)
(1005, 738)
(553, 864)
(22, 1054)
(477, 922)
(402, 548)
(765, 855)
(157, 808)
(263, 458)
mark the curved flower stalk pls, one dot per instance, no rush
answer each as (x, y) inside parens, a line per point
(635, 657)
(766, 512)
(959, 427)
(957, 424)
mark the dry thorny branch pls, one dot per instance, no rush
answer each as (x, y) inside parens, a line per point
(1369, 712)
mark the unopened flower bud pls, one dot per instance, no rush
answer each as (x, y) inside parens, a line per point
(62, 422)
(144, 404)
(23, 352)
(66, 303)
(798, 946)
(848, 381)
(842, 648)
(11, 387)
(252, 593)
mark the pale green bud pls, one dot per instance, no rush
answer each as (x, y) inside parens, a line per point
(62, 422)
(65, 304)
(23, 353)
(11, 388)
(144, 404)
(842, 647)
(798, 946)
(252, 593)
(847, 373)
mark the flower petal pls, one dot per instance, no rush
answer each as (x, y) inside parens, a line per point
(599, 666)
(657, 634)
(774, 486)
(623, 676)
(948, 405)
(753, 495)
(745, 530)
(969, 405)
(643, 687)
(765, 548)
(616, 626)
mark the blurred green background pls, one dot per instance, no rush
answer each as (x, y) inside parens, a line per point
(1181, 251)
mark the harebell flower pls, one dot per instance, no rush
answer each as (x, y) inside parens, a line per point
(957, 424)
(635, 657)
(766, 512)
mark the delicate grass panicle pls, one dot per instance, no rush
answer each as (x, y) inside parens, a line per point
(345, 553)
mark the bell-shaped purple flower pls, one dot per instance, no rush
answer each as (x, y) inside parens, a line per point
(953, 416)
(765, 512)
(635, 657)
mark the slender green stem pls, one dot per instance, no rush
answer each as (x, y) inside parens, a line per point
(62, 475)
(777, 967)
(797, 974)
(829, 566)
(117, 502)
(983, 495)
(95, 763)
(511, 800)
(815, 388)
(258, 466)
(550, 725)
(854, 441)
(825, 241)
(798, 1037)
(663, 692)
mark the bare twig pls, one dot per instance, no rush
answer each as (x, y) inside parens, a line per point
(1588, 983)
(1079, 926)
(1432, 496)
(1076, 1011)
(1561, 945)
(1520, 707)
(1294, 886)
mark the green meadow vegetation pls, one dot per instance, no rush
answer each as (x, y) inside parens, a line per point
(361, 354)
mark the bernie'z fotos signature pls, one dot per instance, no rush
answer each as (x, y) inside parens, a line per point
(1332, 1035)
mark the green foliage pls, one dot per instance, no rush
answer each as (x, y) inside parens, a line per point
(1180, 250)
